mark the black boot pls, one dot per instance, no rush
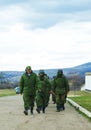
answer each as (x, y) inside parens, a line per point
(38, 109)
(43, 109)
(26, 111)
(58, 109)
(63, 107)
(31, 110)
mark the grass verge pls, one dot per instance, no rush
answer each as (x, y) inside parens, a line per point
(7, 92)
(82, 98)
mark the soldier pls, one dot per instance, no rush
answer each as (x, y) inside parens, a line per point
(60, 89)
(48, 83)
(41, 92)
(28, 89)
(53, 93)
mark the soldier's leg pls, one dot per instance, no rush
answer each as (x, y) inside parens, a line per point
(63, 101)
(32, 100)
(44, 104)
(26, 103)
(39, 103)
(58, 102)
(53, 99)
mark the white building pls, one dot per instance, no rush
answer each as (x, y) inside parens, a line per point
(87, 85)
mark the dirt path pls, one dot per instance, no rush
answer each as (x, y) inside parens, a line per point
(12, 117)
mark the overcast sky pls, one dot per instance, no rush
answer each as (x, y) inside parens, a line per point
(44, 34)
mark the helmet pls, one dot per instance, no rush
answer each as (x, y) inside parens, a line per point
(28, 68)
(60, 71)
(41, 72)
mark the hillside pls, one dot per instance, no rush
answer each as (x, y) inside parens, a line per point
(14, 76)
(80, 69)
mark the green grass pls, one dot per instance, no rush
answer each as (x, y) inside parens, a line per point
(7, 92)
(83, 98)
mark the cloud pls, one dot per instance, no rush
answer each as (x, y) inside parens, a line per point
(44, 34)
(65, 44)
(43, 14)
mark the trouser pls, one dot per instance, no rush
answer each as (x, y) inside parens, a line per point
(28, 101)
(53, 98)
(60, 100)
(41, 101)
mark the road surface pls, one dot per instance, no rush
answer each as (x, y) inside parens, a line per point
(12, 117)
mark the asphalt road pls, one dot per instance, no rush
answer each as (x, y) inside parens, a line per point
(12, 117)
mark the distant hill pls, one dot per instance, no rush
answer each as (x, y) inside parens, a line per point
(14, 76)
(80, 69)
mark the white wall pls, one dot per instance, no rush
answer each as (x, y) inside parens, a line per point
(88, 81)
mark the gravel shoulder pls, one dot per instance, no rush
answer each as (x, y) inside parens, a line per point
(12, 117)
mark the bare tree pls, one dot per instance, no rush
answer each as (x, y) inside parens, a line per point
(76, 81)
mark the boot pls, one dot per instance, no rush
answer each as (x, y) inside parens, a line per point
(26, 111)
(43, 110)
(38, 109)
(63, 107)
(58, 109)
(31, 110)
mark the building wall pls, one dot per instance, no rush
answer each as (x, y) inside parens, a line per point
(88, 81)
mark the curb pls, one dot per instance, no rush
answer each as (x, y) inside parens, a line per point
(78, 107)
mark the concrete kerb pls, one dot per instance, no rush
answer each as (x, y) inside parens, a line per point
(78, 107)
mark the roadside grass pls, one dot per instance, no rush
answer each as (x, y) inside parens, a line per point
(83, 98)
(7, 92)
